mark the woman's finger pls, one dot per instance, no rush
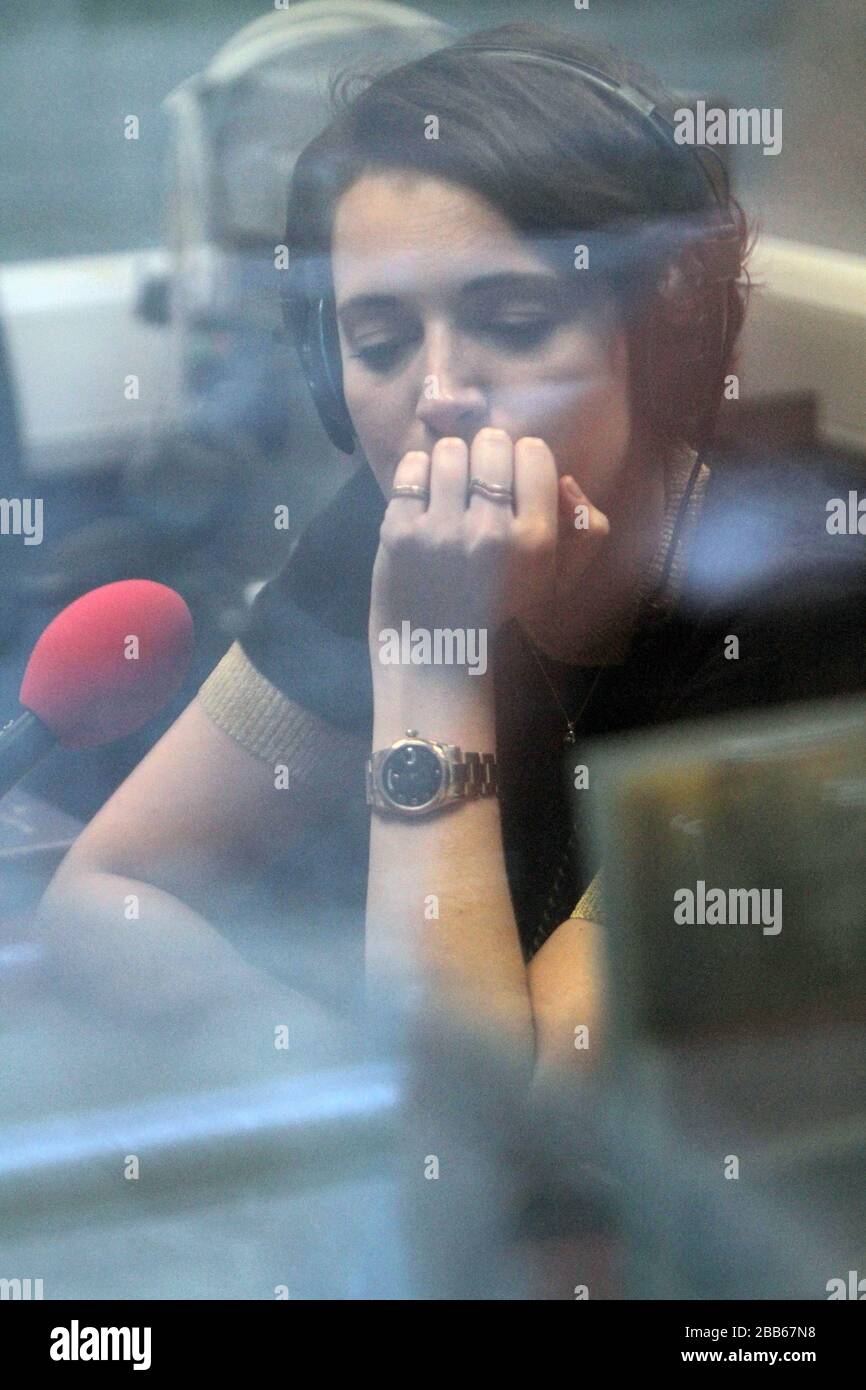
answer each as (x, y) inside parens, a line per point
(412, 472)
(578, 514)
(449, 463)
(491, 463)
(535, 482)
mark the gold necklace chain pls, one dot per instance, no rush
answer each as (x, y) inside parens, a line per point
(570, 737)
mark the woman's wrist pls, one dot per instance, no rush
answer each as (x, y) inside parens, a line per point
(449, 705)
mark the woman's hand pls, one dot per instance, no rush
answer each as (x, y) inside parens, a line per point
(464, 560)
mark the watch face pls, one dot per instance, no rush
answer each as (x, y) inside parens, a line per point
(412, 775)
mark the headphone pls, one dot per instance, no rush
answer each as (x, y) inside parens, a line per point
(311, 317)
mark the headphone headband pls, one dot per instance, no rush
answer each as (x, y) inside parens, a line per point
(642, 106)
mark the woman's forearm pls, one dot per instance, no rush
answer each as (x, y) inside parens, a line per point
(439, 912)
(134, 950)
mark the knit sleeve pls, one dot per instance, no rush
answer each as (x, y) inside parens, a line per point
(590, 906)
(306, 633)
(245, 705)
(295, 688)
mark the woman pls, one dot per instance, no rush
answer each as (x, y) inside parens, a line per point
(524, 300)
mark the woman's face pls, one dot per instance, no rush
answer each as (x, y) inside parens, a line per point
(450, 320)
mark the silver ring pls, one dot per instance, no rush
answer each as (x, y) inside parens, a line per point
(494, 492)
(411, 490)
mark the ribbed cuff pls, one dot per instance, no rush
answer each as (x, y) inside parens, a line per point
(258, 716)
(590, 906)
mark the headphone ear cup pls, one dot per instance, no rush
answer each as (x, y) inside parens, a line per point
(338, 422)
(318, 345)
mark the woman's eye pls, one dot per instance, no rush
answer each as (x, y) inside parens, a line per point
(522, 333)
(380, 357)
(514, 334)
(383, 356)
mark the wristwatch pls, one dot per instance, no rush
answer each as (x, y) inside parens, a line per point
(417, 775)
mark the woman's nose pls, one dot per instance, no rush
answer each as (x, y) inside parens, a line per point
(450, 402)
(460, 411)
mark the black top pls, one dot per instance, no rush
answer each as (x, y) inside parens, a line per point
(762, 567)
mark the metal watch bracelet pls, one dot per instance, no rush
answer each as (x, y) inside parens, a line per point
(415, 776)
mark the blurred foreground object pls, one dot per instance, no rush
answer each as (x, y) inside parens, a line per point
(735, 878)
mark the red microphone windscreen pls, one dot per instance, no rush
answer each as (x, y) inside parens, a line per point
(108, 662)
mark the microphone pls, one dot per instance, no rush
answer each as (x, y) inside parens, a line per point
(101, 669)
